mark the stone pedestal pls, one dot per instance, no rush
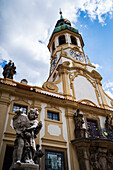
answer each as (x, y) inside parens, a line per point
(24, 166)
(80, 133)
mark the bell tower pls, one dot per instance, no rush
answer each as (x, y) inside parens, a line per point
(65, 40)
(71, 73)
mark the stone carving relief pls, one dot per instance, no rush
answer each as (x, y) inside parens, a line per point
(101, 159)
(50, 86)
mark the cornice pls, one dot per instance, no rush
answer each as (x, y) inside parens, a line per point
(52, 99)
(83, 142)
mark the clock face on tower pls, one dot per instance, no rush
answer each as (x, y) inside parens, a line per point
(53, 64)
(77, 55)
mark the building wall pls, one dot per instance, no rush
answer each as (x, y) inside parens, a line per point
(84, 90)
(53, 134)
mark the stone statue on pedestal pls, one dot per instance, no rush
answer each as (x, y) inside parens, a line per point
(9, 70)
(27, 128)
(78, 119)
(108, 122)
(109, 127)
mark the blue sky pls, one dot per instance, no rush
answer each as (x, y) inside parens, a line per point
(98, 39)
(25, 28)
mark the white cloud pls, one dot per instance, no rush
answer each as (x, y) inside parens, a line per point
(24, 22)
(108, 87)
(4, 54)
(97, 66)
(109, 93)
(98, 8)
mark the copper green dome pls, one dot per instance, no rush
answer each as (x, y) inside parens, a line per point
(62, 21)
(63, 24)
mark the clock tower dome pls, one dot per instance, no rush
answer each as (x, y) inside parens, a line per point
(71, 73)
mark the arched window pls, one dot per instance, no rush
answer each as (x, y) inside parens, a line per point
(53, 47)
(62, 40)
(73, 40)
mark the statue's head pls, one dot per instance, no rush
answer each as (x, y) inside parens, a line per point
(19, 111)
(10, 61)
(33, 114)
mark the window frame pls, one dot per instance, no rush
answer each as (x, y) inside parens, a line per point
(97, 127)
(19, 102)
(72, 40)
(20, 106)
(60, 40)
(53, 113)
(54, 149)
(54, 153)
(56, 110)
(93, 116)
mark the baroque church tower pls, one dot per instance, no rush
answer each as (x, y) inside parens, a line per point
(71, 72)
(76, 113)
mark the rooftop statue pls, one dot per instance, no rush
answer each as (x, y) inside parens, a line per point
(27, 128)
(9, 70)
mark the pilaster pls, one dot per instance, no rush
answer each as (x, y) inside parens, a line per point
(71, 136)
(4, 103)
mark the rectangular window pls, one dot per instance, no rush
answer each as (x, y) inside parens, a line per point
(52, 115)
(16, 107)
(54, 160)
(93, 131)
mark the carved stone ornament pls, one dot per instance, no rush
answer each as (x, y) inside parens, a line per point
(101, 159)
(27, 128)
(77, 48)
(63, 53)
(96, 75)
(108, 123)
(50, 86)
(66, 63)
(9, 70)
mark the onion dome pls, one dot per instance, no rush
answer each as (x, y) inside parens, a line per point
(62, 21)
(63, 24)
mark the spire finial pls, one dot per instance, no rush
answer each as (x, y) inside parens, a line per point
(61, 17)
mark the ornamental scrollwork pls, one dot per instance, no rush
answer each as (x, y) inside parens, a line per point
(50, 86)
